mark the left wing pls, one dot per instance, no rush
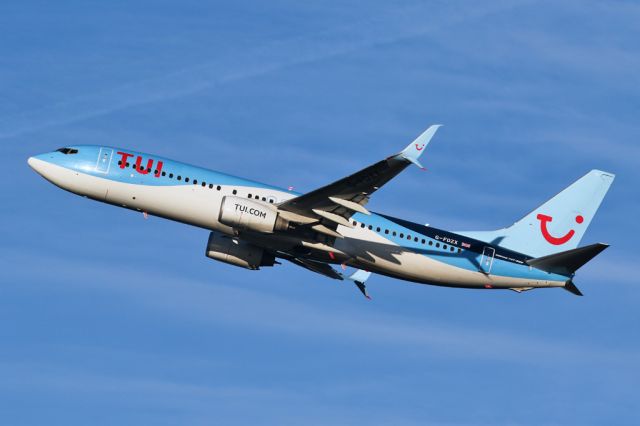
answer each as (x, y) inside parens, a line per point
(332, 205)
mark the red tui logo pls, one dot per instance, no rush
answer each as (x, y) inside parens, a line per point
(138, 164)
(544, 219)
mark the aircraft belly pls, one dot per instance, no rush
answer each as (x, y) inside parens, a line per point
(190, 204)
(379, 255)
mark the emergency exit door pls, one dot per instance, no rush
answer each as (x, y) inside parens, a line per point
(104, 160)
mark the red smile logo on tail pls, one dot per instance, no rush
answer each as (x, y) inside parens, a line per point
(544, 219)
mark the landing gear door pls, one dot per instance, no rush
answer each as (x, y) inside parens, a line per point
(486, 262)
(104, 160)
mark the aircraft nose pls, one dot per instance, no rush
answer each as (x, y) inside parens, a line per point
(37, 164)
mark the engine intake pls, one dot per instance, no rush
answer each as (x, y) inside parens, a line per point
(243, 214)
(237, 252)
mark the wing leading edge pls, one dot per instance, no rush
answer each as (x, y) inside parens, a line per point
(333, 204)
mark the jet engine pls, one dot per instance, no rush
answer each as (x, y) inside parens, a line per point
(237, 252)
(241, 213)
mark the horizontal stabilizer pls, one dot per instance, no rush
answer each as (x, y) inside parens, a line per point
(567, 262)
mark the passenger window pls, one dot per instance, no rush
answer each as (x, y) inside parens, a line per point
(234, 192)
(370, 227)
(119, 162)
(459, 250)
(362, 225)
(386, 231)
(210, 186)
(195, 181)
(218, 187)
(186, 179)
(438, 245)
(179, 177)
(423, 241)
(127, 164)
(164, 173)
(401, 235)
(430, 243)
(415, 239)
(204, 184)
(394, 233)
(354, 223)
(444, 246)
(264, 198)
(249, 196)
(170, 175)
(377, 229)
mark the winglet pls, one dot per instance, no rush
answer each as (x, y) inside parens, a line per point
(359, 278)
(415, 149)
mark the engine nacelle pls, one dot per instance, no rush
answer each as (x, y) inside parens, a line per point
(241, 213)
(237, 252)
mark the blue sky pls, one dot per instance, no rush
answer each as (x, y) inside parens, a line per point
(106, 318)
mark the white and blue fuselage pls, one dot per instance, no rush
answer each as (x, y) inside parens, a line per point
(374, 242)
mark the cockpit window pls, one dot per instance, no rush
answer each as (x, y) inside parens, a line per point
(67, 151)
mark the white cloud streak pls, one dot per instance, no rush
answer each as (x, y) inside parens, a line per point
(267, 59)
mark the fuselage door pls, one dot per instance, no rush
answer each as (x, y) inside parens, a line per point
(486, 262)
(104, 160)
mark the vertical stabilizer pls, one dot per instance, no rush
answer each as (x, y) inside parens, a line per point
(557, 225)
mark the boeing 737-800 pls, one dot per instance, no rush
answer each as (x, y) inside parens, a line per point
(252, 224)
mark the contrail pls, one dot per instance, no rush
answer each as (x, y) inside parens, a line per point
(270, 58)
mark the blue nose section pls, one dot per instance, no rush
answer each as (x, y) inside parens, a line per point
(47, 156)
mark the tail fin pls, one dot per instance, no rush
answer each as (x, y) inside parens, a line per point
(557, 225)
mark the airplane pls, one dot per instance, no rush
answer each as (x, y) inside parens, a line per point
(254, 225)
